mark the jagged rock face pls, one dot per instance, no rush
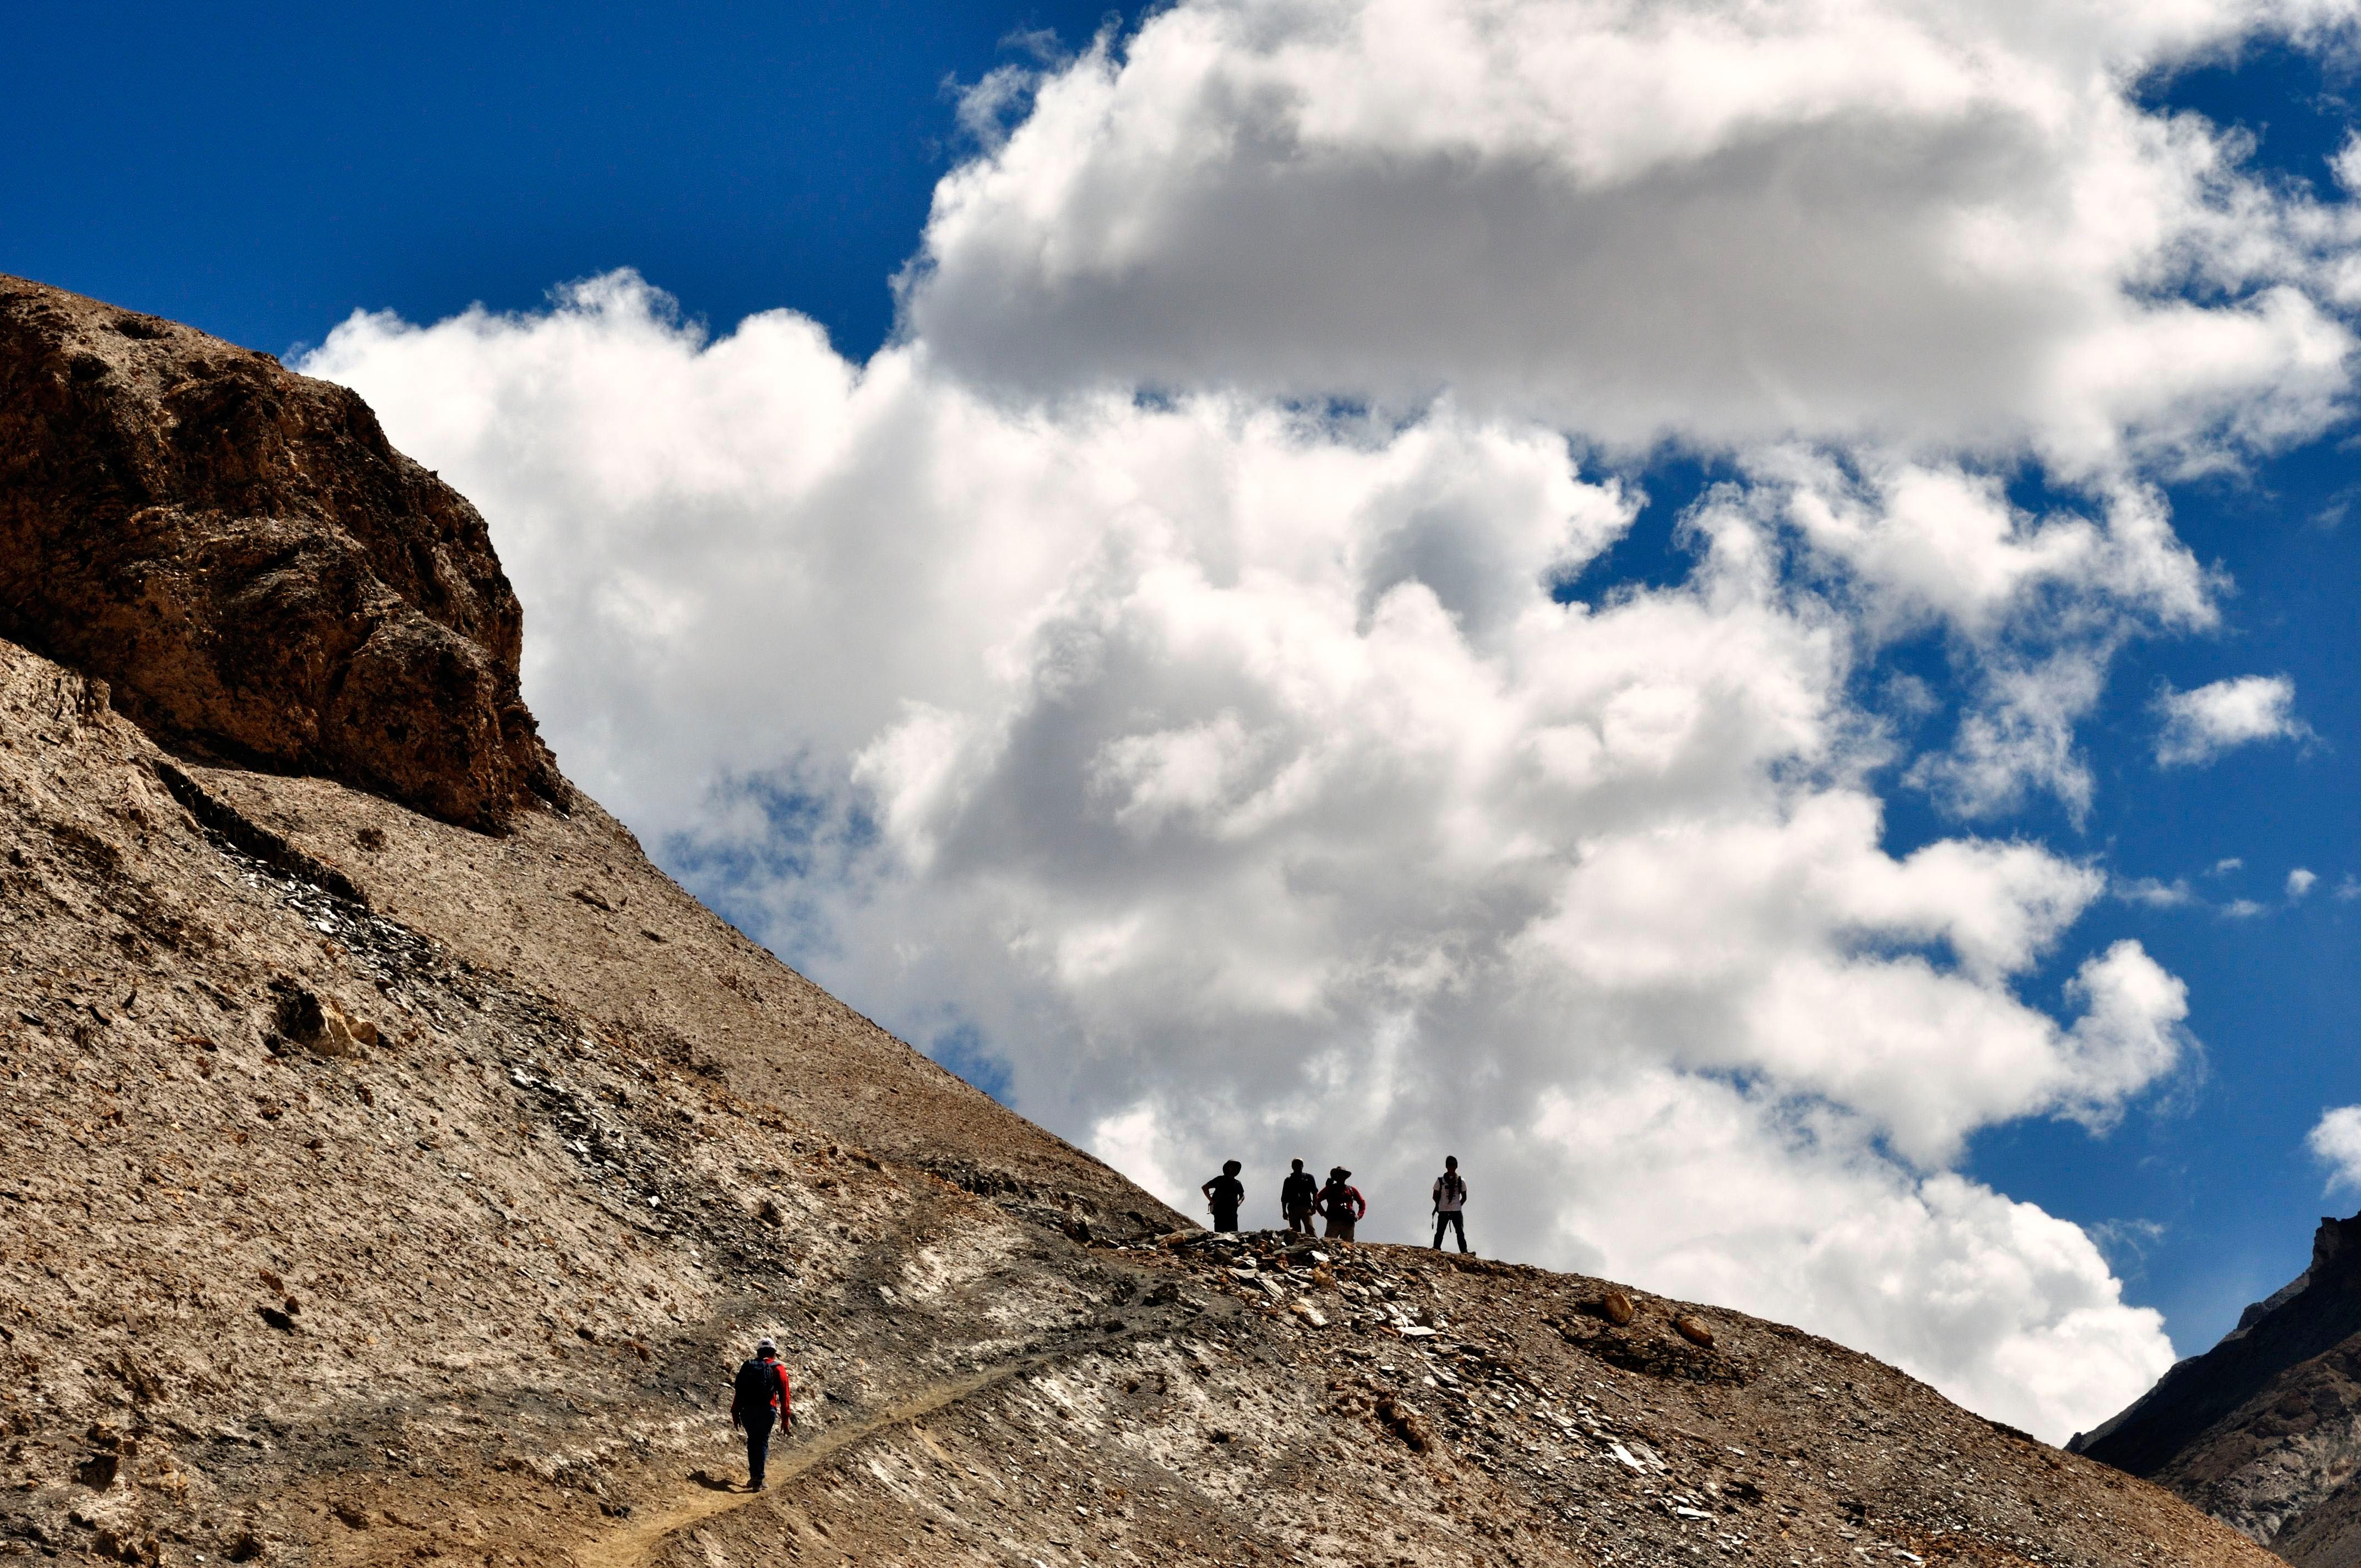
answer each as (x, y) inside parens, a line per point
(2264, 1429)
(257, 573)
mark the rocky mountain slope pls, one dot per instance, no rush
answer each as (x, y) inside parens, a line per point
(2264, 1429)
(397, 1163)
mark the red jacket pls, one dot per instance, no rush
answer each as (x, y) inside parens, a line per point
(1352, 1205)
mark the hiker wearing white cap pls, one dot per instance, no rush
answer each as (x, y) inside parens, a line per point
(759, 1400)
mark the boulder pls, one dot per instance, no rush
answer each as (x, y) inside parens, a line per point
(253, 570)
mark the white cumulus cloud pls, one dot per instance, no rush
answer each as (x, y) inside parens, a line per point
(2335, 1142)
(2202, 724)
(1927, 224)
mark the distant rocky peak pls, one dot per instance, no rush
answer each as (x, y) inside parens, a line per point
(2337, 1239)
(2257, 1431)
(2333, 1255)
(253, 569)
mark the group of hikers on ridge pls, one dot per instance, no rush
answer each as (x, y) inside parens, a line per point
(1336, 1201)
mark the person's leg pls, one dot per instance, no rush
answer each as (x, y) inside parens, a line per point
(1343, 1229)
(1441, 1220)
(1458, 1223)
(1225, 1219)
(758, 1450)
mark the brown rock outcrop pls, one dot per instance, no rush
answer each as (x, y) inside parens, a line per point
(260, 574)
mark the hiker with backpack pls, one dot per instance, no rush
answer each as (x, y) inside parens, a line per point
(1297, 1195)
(1450, 1198)
(1343, 1204)
(759, 1400)
(1224, 1193)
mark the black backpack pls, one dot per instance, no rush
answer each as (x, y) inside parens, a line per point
(756, 1393)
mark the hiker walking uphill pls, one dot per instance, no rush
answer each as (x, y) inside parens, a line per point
(1450, 1198)
(1297, 1195)
(759, 1400)
(1342, 1204)
(1224, 1193)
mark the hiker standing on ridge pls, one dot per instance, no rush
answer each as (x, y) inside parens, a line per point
(760, 1398)
(1450, 1196)
(1297, 1195)
(1224, 1193)
(1342, 1203)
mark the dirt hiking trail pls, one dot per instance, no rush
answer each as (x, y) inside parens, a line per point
(638, 1541)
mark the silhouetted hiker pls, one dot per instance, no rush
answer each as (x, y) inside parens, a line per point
(1296, 1196)
(1342, 1203)
(760, 1398)
(1223, 1194)
(1450, 1196)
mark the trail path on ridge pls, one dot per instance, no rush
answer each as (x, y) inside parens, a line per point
(637, 1543)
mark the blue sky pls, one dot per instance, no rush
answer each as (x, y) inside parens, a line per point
(265, 172)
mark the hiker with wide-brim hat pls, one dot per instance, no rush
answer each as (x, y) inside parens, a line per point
(1224, 1193)
(1341, 1205)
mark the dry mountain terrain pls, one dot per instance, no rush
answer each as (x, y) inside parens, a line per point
(395, 1163)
